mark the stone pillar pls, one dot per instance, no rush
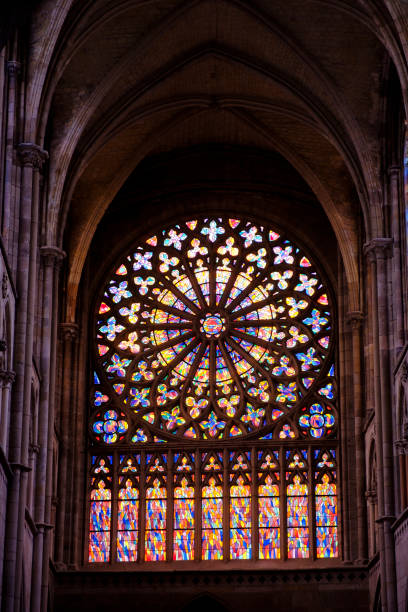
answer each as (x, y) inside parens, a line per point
(69, 332)
(6, 380)
(371, 496)
(378, 250)
(402, 450)
(50, 500)
(51, 256)
(355, 319)
(397, 223)
(7, 227)
(32, 158)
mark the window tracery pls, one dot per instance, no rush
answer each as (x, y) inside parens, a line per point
(213, 343)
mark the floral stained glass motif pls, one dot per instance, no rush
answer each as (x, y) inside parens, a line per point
(211, 329)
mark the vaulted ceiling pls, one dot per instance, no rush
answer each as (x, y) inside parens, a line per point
(130, 79)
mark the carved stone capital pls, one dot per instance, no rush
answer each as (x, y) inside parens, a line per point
(34, 449)
(386, 519)
(51, 256)
(69, 331)
(7, 378)
(355, 318)
(402, 447)
(44, 526)
(371, 496)
(31, 155)
(394, 171)
(20, 467)
(378, 248)
(13, 68)
(60, 566)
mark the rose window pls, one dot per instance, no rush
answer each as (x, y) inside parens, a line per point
(212, 329)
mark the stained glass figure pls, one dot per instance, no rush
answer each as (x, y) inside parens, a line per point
(326, 505)
(269, 520)
(156, 507)
(297, 505)
(212, 519)
(183, 539)
(240, 505)
(100, 514)
(128, 515)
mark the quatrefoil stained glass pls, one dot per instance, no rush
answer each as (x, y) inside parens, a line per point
(212, 329)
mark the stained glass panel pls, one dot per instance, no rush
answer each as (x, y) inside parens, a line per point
(128, 522)
(297, 519)
(100, 523)
(156, 506)
(213, 330)
(212, 521)
(269, 519)
(183, 539)
(209, 298)
(326, 518)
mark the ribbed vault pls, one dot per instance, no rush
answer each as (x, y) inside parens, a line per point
(138, 78)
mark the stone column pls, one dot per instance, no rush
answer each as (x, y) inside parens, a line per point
(69, 332)
(371, 496)
(6, 380)
(50, 256)
(14, 70)
(50, 500)
(355, 319)
(402, 450)
(378, 250)
(32, 158)
(396, 268)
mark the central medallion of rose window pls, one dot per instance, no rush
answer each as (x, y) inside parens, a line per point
(214, 328)
(212, 325)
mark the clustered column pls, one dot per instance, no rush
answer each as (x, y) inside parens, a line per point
(69, 333)
(378, 250)
(51, 258)
(31, 158)
(355, 319)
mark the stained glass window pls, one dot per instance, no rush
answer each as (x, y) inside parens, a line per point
(209, 334)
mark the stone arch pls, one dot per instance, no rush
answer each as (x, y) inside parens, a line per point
(203, 603)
